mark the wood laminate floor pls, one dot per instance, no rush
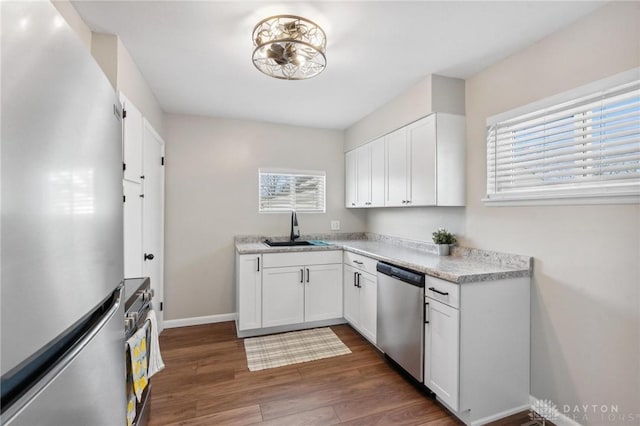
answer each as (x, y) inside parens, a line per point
(206, 382)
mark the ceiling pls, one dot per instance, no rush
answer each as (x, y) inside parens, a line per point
(196, 55)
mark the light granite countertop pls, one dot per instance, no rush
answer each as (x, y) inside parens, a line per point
(463, 266)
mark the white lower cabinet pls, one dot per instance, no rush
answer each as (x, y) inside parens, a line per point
(323, 292)
(287, 289)
(296, 294)
(441, 351)
(282, 296)
(476, 346)
(360, 301)
(249, 291)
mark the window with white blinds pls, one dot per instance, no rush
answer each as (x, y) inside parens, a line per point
(588, 146)
(286, 190)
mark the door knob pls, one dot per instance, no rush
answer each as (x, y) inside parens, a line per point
(148, 256)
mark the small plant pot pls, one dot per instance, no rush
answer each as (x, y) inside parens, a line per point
(443, 249)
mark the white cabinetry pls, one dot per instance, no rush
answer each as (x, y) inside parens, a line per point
(413, 163)
(249, 291)
(477, 346)
(323, 292)
(351, 179)
(397, 170)
(132, 136)
(143, 208)
(282, 296)
(364, 175)
(280, 291)
(360, 295)
(441, 348)
(370, 174)
(420, 164)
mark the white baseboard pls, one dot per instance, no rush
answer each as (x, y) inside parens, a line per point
(498, 416)
(546, 409)
(209, 319)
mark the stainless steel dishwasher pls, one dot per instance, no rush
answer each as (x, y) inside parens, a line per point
(400, 324)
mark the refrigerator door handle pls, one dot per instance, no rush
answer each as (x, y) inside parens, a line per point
(17, 395)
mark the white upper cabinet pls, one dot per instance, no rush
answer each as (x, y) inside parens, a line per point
(420, 164)
(365, 175)
(132, 139)
(363, 182)
(351, 177)
(421, 181)
(397, 171)
(377, 172)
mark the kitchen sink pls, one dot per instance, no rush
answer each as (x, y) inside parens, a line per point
(287, 243)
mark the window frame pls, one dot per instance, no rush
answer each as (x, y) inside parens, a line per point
(573, 193)
(292, 172)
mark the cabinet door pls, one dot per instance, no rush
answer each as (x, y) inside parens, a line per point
(132, 141)
(132, 226)
(442, 330)
(377, 172)
(368, 305)
(249, 287)
(282, 296)
(363, 186)
(350, 178)
(351, 296)
(323, 292)
(421, 140)
(396, 180)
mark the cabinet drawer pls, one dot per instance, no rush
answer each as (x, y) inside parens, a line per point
(275, 260)
(360, 262)
(434, 287)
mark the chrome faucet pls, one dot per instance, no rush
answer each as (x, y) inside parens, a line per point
(294, 223)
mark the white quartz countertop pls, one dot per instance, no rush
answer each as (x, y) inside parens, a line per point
(462, 267)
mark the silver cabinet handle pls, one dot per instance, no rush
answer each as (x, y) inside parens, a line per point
(358, 262)
(358, 274)
(258, 259)
(301, 275)
(354, 279)
(308, 274)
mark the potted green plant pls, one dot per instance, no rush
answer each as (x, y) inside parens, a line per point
(443, 239)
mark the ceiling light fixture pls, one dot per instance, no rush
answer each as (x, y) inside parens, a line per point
(289, 47)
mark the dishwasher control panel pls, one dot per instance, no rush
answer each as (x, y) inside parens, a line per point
(406, 275)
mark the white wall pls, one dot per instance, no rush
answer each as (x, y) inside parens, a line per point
(212, 195)
(585, 323)
(434, 93)
(74, 20)
(133, 85)
(117, 64)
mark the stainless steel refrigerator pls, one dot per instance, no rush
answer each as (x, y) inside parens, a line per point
(62, 341)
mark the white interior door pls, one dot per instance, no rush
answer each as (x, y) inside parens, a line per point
(132, 219)
(153, 216)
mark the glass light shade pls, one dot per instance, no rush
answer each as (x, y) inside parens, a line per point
(289, 47)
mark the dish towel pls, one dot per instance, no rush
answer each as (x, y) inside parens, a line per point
(155, 359)
(138, 357)
(131, 404)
